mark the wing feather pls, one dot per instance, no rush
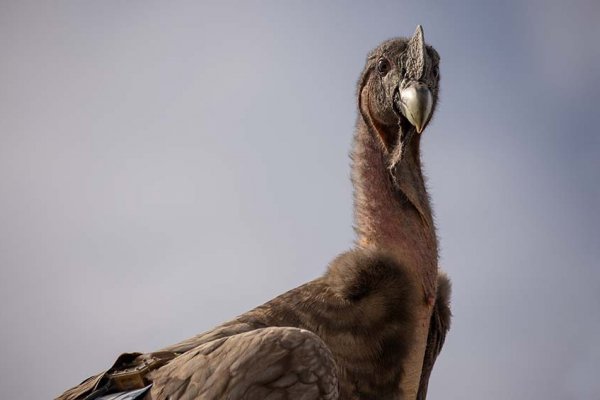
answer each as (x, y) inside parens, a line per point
(438, 327)
(269, 363)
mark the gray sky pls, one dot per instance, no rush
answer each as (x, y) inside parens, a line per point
(167, 166)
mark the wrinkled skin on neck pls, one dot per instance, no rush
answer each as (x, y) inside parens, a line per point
(392, 209)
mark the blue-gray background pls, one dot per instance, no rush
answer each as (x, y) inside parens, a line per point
(165, 166)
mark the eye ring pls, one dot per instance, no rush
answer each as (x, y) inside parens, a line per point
(383, 66)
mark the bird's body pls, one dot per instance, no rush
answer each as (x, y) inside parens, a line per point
(362, 330)
(361, 309)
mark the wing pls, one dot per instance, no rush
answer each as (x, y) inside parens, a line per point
(360, 309)
(438, 327)
(269, 363)
(251, 321)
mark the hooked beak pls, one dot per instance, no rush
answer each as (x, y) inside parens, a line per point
(415, 103)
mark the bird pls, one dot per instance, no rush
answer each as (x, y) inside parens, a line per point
(372, 326)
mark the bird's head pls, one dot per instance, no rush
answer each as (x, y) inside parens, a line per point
(398, 90)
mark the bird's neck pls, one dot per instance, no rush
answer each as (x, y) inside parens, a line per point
(392, 209)
(392, 212)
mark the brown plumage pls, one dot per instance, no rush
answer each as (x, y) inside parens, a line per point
(262, 363)
(438, 327)
(372, 326)
(361, 309)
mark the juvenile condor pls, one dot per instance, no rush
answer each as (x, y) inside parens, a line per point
(372, 326)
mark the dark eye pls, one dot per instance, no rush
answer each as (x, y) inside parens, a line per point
(383, 66)
(436, 72)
